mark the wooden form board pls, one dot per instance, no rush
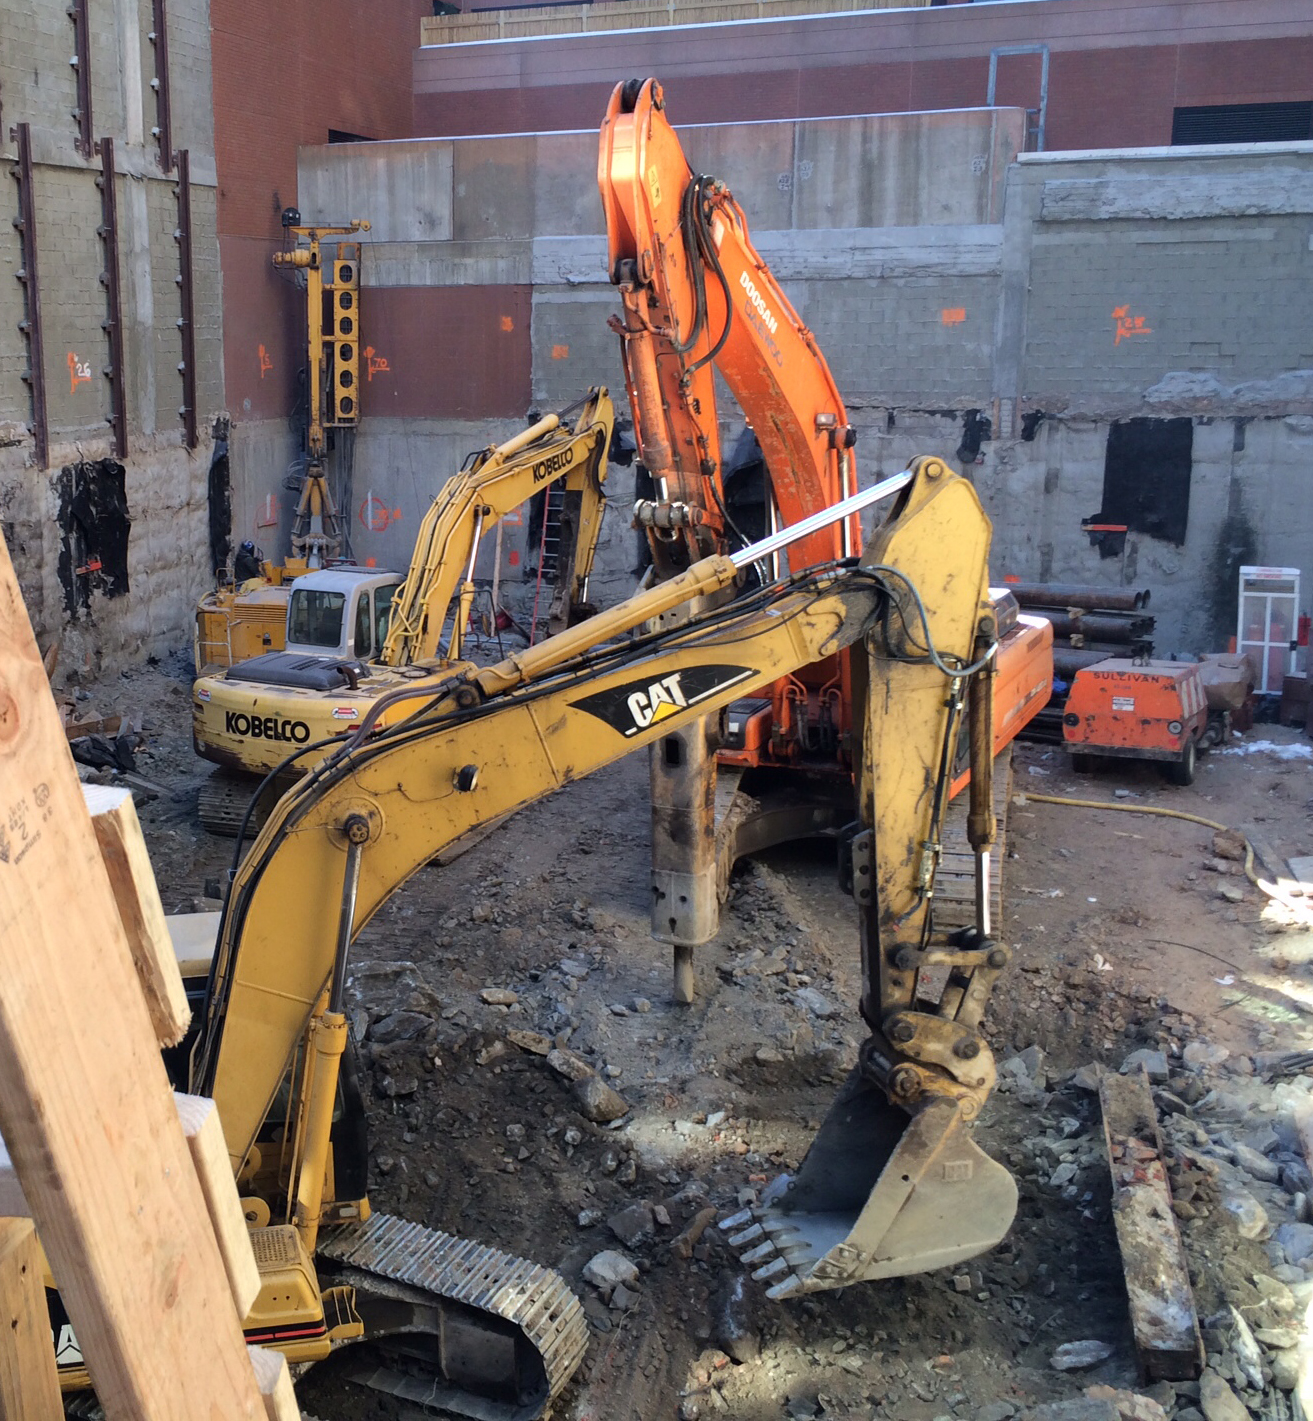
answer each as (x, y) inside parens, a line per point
(274, 1379)
(85, 1106)
(1163, 1317)
(123, 849)
(29, 1383)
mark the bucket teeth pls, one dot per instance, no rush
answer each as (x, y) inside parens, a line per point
(755, 1255)
(785, 1288)
(770, 1270)
(736, 1221)
(747, 1236)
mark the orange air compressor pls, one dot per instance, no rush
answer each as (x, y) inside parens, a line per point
(1138, 710)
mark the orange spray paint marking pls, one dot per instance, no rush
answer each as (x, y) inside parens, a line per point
(374, 514)
(1127, 325)
(953, 315)
(560, 352)
(507, 324)
(266, 364)
(375, 364)
(79, 372)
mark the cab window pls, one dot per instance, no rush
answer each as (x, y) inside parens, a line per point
(363, 645)
(315, 618)
(382, 614)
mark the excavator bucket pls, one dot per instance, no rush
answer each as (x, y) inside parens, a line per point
(881, 1193)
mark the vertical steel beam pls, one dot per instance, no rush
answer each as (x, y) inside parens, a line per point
(113, 324)
(27, 274)
(159, 37)
(77, 12)
(187, 325)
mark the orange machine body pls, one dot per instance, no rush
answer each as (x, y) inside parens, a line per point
(1146, 711)
(1022, 686)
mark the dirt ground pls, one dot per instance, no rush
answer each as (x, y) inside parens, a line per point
(1129, 931)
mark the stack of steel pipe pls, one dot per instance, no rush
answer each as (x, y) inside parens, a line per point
(1089, 624)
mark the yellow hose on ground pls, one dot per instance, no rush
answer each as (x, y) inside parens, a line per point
(1300, 910)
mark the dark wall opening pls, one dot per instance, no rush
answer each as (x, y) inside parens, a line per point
(94, 520)
(1242, 123)
(1146, 477)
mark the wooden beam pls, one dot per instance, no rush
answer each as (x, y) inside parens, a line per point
(85, 1106)
(209, 1153)
(123, 849)
(275, 1382)
(29, 1381)
(1163, 1316)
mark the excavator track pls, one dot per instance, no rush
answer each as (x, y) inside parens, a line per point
(460, 1280)
(222, 802)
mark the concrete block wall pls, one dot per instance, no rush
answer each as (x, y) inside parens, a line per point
(1049, 295)
(166, 485)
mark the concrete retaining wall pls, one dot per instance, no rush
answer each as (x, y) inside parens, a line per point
(949, 284)
(165, 484)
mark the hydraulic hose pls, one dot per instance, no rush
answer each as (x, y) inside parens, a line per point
(1272, 891)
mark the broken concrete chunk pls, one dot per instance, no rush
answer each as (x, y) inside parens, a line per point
(633, 1226)
(1250, 1216)
(1076, 1356)
(609, 1269)
(814, 1002)
(598, 1102)
(623, 1298)
(1200, 1055)
(1296, 1241)
(1129, 1405)
(1153, 1062)
(532, 1041)
(571, 968)
(399, 1026)
(995, 1411)
(567, 1064)
(1218, 1401)
(1256, 1164)
(1089, 1077)
(494, 1051)
(499, 996)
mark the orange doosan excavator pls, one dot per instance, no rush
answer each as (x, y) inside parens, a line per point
(697, 299)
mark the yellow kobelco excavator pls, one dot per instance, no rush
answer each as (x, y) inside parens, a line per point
(354, 633)
(893, 1183)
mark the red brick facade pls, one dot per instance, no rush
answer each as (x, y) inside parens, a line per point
(283, 76)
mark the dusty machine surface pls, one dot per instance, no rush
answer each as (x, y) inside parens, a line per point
(1137, 710)
(698, 299)
(354, 634)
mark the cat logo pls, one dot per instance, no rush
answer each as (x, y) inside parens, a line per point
(638, 705)
(659, 702)
(67, 1351)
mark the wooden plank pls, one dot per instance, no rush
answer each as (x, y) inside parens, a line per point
(200, 1124)
(118, 831)
(1163, 1317)
(85, 1106)
(29, 1382)
(13, 1202)
(275, 1382)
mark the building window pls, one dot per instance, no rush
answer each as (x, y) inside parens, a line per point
(1242, 123)
(1146, 477)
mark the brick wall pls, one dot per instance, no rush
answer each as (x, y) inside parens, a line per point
(1117, 67)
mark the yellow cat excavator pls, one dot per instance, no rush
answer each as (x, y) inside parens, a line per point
(354, 633)
(892, 1184)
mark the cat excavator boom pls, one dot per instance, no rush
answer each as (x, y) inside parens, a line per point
(892, 1184)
